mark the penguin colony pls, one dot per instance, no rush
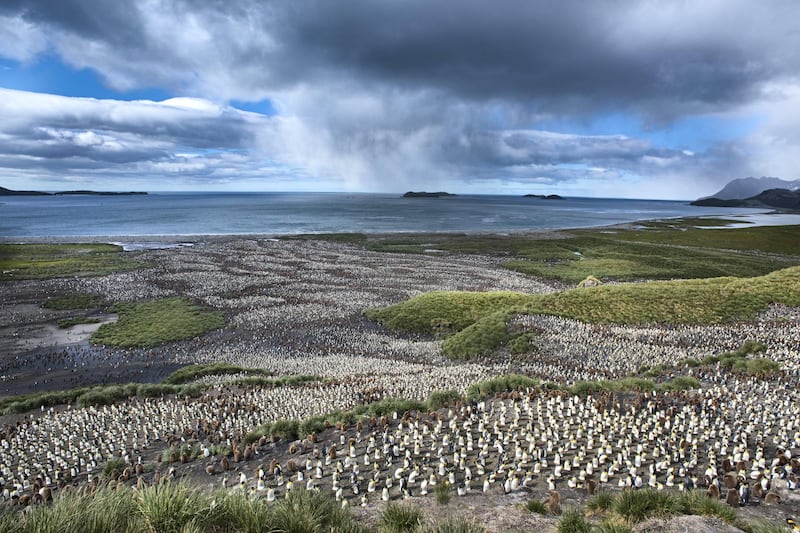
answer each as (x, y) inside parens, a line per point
(297, 310)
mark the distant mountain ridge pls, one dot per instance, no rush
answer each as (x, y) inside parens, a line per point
(772, 198)
(744, 188)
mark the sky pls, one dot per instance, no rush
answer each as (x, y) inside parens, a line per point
(665, 99)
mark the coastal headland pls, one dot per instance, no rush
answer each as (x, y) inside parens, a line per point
(490, 371)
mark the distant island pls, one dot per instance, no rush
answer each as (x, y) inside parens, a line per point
(9, 192)
(544, 197)
(423, 194)
(773, 198)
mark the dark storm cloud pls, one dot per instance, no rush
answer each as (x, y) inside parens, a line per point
(554, 55)
(394, 93)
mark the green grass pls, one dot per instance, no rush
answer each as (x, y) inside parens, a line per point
(400, 518)
(194, 372)
(455, 525)
(157, 322)
(439, 399)
(78, 300)
(509, 382)
(65, 323)
(573, 521)
(659, 250)
(96, 395)
(782, 240)
(114, 467)
(480, 320)
(177, 507)
(45, 261)
(443, 492)
(536, 506)
(634, 506)
(444, 312)
(601, 502)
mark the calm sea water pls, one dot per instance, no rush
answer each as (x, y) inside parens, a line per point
(188, 214)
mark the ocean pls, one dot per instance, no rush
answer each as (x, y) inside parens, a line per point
(192, 214)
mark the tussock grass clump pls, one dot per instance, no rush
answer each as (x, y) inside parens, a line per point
(442, 492)
(157, 322)
(455, 525)
(573, 521)
(176, 507)
(284, 429)
(536, 506)
(400, 518)
(303, 511)
(509, 382)
(239, 513)
(114, 467)
(169, 507)
(765, 526)
(634, 506)
(601, 502)
(637, 505)
(439, 399)
(681, 383)
(611, 526)
(697, 503)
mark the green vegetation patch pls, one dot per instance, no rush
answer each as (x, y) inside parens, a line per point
(65, 323)
(782, 240)
(356, 238)
(400, 518)
(96, 395)
(45, 261)
(193, 372)
(655, 250)
(157, 322)
(176, 384)
(480, 320)
(78, 300)
(444, 312)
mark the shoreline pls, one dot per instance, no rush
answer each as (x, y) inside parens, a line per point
(750, 220)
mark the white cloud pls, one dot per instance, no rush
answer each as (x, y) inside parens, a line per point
(21, 40)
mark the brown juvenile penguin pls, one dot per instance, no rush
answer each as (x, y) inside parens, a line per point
(732, 498)
(554, 503)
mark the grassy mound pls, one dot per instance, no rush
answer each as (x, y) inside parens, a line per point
(44, 261)
(157, 322)
(442, 312)
(480, 319)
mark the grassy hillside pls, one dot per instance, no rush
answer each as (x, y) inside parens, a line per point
(479, 320)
